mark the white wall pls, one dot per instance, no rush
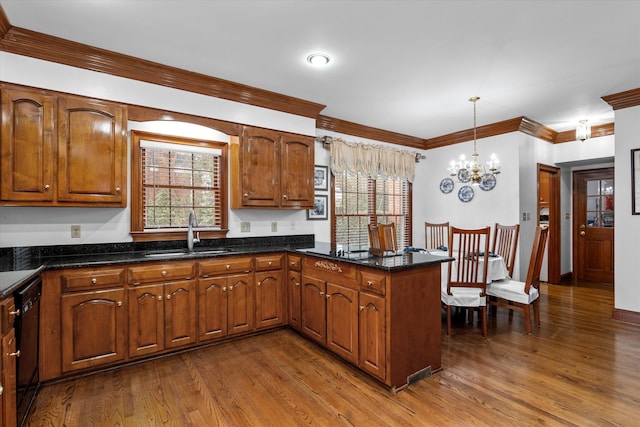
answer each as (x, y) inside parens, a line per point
(627, 229)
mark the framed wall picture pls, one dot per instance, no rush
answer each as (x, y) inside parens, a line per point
(319, 210)
(635, 181)
(321, 178)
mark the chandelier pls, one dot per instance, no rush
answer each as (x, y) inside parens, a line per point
(472, 171)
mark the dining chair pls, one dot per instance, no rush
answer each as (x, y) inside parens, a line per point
(382, 238)
(435, 234)
(505, 244)
(513, 294)
(465, 285)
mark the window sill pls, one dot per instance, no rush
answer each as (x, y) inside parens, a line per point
(146, 236)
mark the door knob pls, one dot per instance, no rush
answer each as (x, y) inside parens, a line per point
(582, 233)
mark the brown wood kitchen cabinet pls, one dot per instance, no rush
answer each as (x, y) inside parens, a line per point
(330, 305)
(162, 307)
(7, 363)
(272, 169)
(225, 297)
(269, 291)
(294, 291)
(61, 150)
(92, 317)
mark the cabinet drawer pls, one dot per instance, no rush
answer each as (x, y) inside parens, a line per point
(269, 262)
(161, 272)
(294, 263)
(373, 282)
(225, 266)
(330, 271)
(77, 280)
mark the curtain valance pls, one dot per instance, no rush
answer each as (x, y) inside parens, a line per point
(372, 160)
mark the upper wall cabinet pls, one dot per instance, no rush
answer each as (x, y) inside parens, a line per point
(271, 169)
(61, 150)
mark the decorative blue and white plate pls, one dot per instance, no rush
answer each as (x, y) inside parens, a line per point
(464, 175)
(446, 185)
(465, 193)
(488, 182)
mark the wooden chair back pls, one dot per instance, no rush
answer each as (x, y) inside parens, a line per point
(382, 238)
(505, 244)
(471, 250)
(436, 234)
(537, 256)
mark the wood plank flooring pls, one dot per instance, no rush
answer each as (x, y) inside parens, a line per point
(580, 368)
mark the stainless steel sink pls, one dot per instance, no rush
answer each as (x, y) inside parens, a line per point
(184, 253)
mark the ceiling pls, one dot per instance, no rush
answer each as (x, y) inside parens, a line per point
(406, 66)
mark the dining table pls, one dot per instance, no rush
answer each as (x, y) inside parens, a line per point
(496, 270)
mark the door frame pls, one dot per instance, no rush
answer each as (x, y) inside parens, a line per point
(553, 241)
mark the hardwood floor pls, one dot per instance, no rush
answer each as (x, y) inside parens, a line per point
(580, 368)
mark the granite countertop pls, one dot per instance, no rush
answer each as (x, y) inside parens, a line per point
(14, 272)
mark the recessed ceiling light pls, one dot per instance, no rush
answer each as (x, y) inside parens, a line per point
(318, 59)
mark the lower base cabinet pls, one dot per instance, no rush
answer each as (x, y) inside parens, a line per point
(8, 386)
(93, 329)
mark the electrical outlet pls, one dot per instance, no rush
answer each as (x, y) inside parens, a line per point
(245, 226)
(274, 227)
(75, 231)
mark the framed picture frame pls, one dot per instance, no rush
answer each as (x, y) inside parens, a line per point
(319, 210)
(321, 178)
(635, 181)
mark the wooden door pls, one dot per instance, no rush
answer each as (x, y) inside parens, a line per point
(260, 168)
(8, 378)
(180, 313)
(93, 329)
(91, 152)
(212, 308)
(146, 320)
(342, 322)
(269, 298)
(297, 172)
(593, 204)
(27, 144)
(294, 299)
(372, 336)
(314, 303)
(240, 304)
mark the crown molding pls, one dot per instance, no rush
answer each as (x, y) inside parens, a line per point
(54, 49)
(596, 131)
(626, 99)
(355, 129)
(4, 23)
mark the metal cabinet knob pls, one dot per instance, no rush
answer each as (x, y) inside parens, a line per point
(164, 273)
(118, 189)
(14, 354)
(46, 187)
(15, 312)
(94, 281)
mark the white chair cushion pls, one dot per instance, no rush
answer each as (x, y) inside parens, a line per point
(512, 290)
(462, 297)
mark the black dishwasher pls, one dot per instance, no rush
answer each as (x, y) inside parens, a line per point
(27, 326)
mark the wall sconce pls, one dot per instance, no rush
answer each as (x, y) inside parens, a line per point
(583, 131)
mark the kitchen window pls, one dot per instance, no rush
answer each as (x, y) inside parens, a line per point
(359, 200)
(172, 176)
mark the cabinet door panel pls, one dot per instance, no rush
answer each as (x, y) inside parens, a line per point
(372, 335)
(212, 308)
(91, 151)
(297, 171)
(314, 302)
(93, 329)
(342, 321)
(8, 378)
(27, 143)
(240, 305)
(260, 168)
(180, 313)
(146, 320)
(269, 299)
(294, 295)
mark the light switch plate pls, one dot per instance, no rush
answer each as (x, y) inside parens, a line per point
(274, 226)
(245, 226)
(75, 231)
